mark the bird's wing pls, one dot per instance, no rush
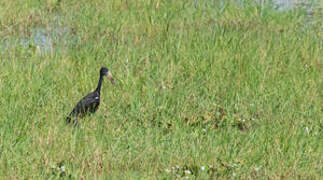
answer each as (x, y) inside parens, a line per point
(90, 99)
(86, 102)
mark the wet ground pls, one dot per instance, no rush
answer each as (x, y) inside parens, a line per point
(57, 36)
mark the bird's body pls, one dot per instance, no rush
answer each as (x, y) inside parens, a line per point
(89, 103)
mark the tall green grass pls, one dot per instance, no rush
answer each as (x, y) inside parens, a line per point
(222, 91)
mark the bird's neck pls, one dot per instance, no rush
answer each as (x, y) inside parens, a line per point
(98, 88)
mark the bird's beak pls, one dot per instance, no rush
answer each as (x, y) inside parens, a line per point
(111, 78)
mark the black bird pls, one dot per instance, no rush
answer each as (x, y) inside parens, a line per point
(90, 103)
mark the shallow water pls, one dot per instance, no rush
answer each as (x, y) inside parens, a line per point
(55, 36)
(291, 4)
(284, 4)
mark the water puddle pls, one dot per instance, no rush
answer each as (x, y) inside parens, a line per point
(282, 5)
(46, 40)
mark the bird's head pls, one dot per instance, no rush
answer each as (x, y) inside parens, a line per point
(105, 72)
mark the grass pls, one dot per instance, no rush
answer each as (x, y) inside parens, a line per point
(234, 90)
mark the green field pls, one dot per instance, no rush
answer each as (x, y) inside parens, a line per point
(204, 90)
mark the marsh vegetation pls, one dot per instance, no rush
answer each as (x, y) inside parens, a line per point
(205, 89)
